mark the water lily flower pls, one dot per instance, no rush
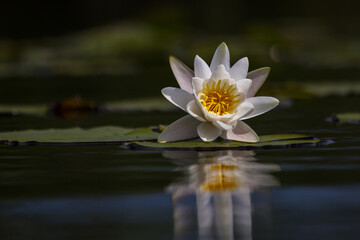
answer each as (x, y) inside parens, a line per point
(217, 98)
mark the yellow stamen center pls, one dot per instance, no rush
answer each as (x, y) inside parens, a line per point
(219, 98)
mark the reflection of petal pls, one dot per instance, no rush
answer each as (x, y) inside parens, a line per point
(241, 154)
(205, 214)
(180, 192)
(242, 214)
(224, 215)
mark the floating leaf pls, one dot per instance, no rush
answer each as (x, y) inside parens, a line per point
(349, 117)
(98, 135)
(143, 138)
(266, 141)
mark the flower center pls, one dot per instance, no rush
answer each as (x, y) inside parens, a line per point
(219, 98)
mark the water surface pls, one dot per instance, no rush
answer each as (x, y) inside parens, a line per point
(106, 192)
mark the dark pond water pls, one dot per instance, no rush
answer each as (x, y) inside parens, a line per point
(106, 192)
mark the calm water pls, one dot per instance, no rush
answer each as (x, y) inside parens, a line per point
(106, 192)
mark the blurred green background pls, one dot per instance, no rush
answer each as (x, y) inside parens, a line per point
(114, 50)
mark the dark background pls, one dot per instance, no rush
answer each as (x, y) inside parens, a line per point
(102, 50)
(34, 19)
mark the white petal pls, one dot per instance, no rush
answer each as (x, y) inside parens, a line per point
(239, 69)
(183, 74)
(178, 97)
(221, 56)
(208, 132)
(243, 85)
(181, 129)
(242, 132)
(244, 109)
(201, 69)
(226, 118)
(224, 126)
(258, 77)
(194, 110)
(197, 84)
(220, 73)
(261, 105)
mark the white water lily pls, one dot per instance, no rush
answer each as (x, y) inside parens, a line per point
(217, 99)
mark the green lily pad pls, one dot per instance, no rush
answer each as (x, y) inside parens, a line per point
(98, 135)
(348, 117)
(143, 138)
(266, 141)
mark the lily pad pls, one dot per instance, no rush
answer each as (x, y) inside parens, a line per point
(78, 136)
(348, 117)
(266, 141)
(144, 138)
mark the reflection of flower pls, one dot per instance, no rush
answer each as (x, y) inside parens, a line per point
(222, 183)
(217, 98)
(225, 171)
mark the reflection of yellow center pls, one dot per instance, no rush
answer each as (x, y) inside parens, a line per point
(219, 98)
(222, 167)
(220, 177)
(219, 184)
